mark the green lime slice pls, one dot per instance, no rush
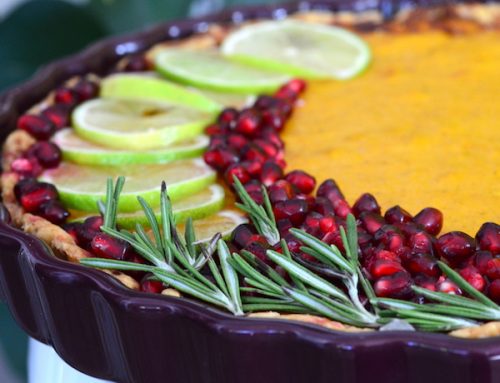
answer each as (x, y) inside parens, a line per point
(223, 222)
(151, 87)
(234, 100)
(210, 70)
(138, 124)
(82, 186)
(199, 205)
(85, 152)
(299, 49)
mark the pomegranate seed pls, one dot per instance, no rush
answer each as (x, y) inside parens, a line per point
(265, 102)
(286, 94)
(72, 229)
(136, 63)
(248, 122)
(88, 230)
(214, 129)
(423, 264)
(383, 267)
(394, 242)
(259, 250)
(238, 171)
(386, 255)
(481, 259)
(53, 211)
(252, 153)
(281, 190)
(425, 281)
(85, 90)
(151, 286)
(371, 222)
(328, 225)
(38, 126)
(66, 96)
(444, 285)
(397, 214)
(268, 148)
(494, 291)
(312, 220)
(455, 246)
(364, 239)
(366, 203)
(342, 208)
(220, 158)
(26, 167)
(409, 228)
(271, 173)
(493, 269)
(59, 115)
(330, 190)
(475, 279)
(254, 168)
(488, 237)
(228, 115)
(105, 246)
(397, 285)
(334, 238)
(323, 206)
(303, 181)
(293, 243)
(383, 235)
(421, 242)
(236, 141)
(273, 118)
(431, 219)
(32, 199)
(23, 186)
(295, 210)
(273, 137)
(242, 234)
(296, 85)
(47, 153)
(254, 190)
(284, 225)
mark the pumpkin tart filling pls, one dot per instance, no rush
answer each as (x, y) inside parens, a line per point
(418, 128)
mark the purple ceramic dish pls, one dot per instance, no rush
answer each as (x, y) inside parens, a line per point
(107, 331)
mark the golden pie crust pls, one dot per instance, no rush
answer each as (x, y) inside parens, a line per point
(454, 19)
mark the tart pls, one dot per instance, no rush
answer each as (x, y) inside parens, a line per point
(397, 251)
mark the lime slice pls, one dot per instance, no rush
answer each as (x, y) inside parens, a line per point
(84, 152)
(210, 70)
(299, 49)
(223, 222)
(200, 205)
(138, 124)
(154, 88)
(82, 186)
(234, 100)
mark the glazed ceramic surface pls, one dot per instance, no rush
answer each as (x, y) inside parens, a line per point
(105, 330)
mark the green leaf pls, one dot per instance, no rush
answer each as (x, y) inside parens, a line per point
(104, 263)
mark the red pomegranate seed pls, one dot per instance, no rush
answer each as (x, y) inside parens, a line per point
(281, 190)
(330, 190)
(397, 214)
(220, 158)
(85, 90)
(488, 237)
(242, 235)
(323, 206)
(90, 228)
(481, 259)
(236, 141)
(252, 153)
(23, 186)
(238, 171)
(59, 115)
(214, 129)
(383, 235)
(254, 168)
(386, 255)
(273, 137)
(365, 203)
(136, 63)
(265, 102)
(397, 285)
(26, 167)
(494, 291)
(423, 264)
(53, 211)
(47, 153)
(371, 222)
(41, 192)
(493, 268)
(66, 96)
(151, 286)
(38, 126)
(312, 221)
(334, 238)
(293, 243)
(431, 219)
(286, 94)
(444, 285)
(422, 243)
(455, 246)
(105, 246)
(475, 279)
(342, 208)
(425, 281)
(248, 122)
(259, 250)
(268, 148)
(284, 225)
(72, 229)
(303, 181)
(228, 115)
(217, 141)
(328, 225)
(295, 210)
(383, 267)
(271, 172)
(394, 242)
(273, 119)
(296, 85)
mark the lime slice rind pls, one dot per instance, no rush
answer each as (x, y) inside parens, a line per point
(154, 88)
(299, 49)
(126, 123)
(83, 152)
(210, 70)
(82, 186)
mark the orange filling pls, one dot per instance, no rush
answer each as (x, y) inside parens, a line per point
(419, 128)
